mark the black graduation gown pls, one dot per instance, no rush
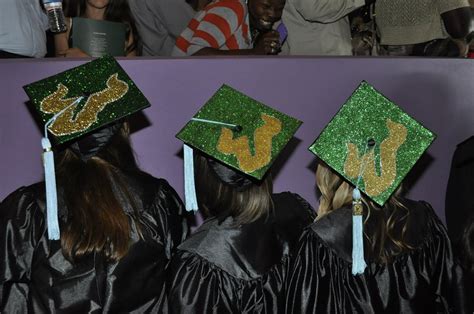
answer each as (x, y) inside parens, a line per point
(35, 277)
(419, 281)
(222, 268)
(459, 209)
(459, 200)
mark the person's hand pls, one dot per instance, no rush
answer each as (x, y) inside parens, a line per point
(75, 53)
(267, 44)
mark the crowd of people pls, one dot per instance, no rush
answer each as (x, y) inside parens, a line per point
(253, 27)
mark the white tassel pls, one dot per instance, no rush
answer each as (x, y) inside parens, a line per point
(189, 186)
(358, 262)
(51, 194)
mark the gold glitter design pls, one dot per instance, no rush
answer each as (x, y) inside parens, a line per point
(240, 147)
(374, 184)
(66, 123)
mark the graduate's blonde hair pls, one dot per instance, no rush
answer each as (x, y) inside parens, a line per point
(385, 227)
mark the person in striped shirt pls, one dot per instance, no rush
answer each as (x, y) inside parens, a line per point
(231, 27)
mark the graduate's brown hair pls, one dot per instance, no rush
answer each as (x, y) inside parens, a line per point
(388, 224)
(96, 221)
(221, 200)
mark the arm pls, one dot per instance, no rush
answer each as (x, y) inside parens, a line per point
(326, 11)
(457, 22)
(61, 45)
(21, 225)
(169, 212)
(268, 43)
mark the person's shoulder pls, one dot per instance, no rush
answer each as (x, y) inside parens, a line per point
(203, 238)
(421, 211)
(153, 191)
(290, 206)
(464, 153)
(23, 200)
(292, 214)
(150, 184)
(334, 231)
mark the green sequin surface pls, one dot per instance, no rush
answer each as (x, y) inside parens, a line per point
(267, 131)
(109, 92)
(400, 142)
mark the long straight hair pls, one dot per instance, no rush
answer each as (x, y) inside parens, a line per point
(116, 11)
(221, 200)
(96, 220)
(385, 226)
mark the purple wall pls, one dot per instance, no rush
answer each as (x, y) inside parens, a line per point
(437, 92)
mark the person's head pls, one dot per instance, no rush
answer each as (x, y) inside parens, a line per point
(264, 13)
(222, 192)
(96, 221)
(388, 224)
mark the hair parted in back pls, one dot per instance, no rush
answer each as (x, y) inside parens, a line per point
(385, 227)
(220, 200)
(96, 221)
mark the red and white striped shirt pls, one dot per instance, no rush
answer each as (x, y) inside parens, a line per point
(223, 25)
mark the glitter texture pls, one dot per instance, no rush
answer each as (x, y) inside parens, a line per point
(112, 95)
(400, 142)
(239, 147)
(252, 150)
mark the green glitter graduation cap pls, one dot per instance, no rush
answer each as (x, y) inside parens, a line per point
(74, 103)
(239, 131)
(398, 141)
(85, 98)
(373, 144)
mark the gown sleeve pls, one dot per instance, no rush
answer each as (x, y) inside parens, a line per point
(445, 272)
(172, 216)
(21, 228)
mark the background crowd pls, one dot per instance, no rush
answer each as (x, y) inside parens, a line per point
(239, 27)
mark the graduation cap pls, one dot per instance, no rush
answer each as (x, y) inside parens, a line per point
(77, 102)
(237, 131)
(373, 144)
